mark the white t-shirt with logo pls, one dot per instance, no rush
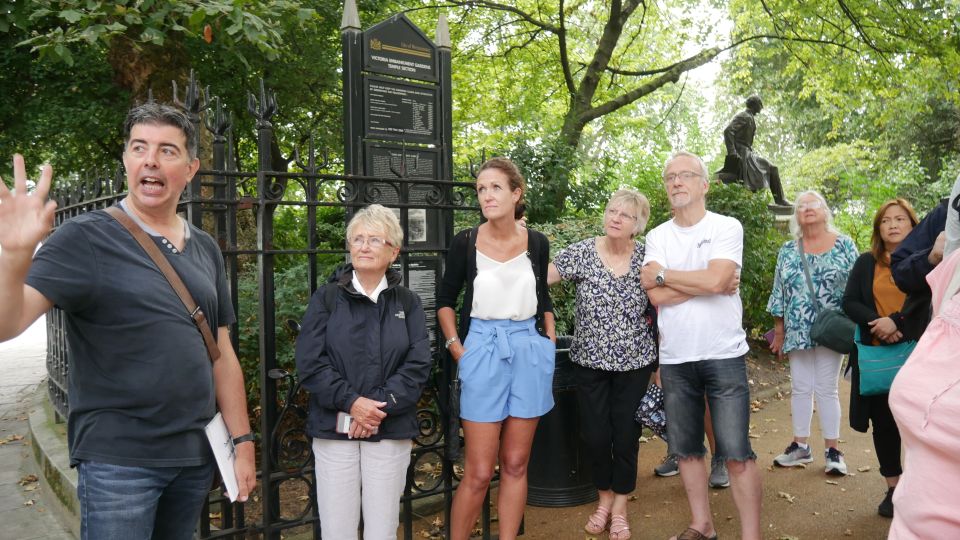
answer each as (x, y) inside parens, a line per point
(703, 327)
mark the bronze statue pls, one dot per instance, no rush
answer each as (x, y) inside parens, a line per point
(742, 163)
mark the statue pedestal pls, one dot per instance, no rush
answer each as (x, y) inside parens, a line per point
(780, 210)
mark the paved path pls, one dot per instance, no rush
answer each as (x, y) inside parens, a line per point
(23, 513)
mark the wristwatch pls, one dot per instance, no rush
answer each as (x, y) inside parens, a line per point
(449, 342)
(242, 438)
(661, 275)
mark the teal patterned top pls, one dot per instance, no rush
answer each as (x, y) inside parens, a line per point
(790, 297)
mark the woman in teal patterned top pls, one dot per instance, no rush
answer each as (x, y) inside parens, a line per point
(814, 369)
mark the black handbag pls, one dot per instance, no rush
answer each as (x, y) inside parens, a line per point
(831, 328)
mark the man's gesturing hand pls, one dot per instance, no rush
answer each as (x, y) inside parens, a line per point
(25, 218)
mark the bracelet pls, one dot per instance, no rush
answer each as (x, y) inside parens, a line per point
(449, 342)
(243, 439)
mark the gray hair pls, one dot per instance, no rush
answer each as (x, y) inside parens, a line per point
(636, 200)
(158, 114)
(705, 174)
(378, 218)
(795, 229)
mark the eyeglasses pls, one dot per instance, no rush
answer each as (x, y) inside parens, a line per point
(373, 241)
(686, 176)
(812, 205)
(612, 213)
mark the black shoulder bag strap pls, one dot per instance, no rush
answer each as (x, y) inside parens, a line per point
(196, 314)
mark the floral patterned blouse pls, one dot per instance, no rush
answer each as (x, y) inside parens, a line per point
(612, 331)
(790, 297)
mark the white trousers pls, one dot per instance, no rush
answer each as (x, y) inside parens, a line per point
(815, 373)
(354, 475)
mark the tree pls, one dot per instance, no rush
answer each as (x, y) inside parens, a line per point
(72, 68)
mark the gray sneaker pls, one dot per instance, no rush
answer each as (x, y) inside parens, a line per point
(835, 464)
(668, 467)
(719, 478)
(794, 456)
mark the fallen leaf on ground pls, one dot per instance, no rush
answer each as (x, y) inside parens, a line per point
(784, 495)
(28, 479)
(864, 468)
(848, 532)
(833, 482)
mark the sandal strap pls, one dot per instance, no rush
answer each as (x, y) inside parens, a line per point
(619, 527)
(598, 520)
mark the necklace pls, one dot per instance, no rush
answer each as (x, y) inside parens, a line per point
(616, 265)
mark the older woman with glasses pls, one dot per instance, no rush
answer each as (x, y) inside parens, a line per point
(614, 351)
(364, 356)
(814, 369)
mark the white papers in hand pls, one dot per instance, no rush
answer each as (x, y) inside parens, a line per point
(222, 446)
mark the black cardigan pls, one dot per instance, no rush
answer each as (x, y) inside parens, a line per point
(461, 269)
(860, 305)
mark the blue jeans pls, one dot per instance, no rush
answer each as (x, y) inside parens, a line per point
(141, 503)
(724, 383)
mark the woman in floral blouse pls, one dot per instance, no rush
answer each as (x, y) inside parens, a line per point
(614, 351)
(814, 369)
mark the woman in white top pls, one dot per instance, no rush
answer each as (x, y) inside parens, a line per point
(506, 358)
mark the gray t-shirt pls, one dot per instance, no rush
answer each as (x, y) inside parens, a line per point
(140, 383)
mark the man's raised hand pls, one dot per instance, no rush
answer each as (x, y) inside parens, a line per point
(25, 218)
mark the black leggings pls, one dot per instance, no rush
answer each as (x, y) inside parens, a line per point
(608, 401)
(886, 435)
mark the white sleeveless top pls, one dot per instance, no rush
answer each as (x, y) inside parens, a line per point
(504, 290)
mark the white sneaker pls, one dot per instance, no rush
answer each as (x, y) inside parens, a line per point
(835, 464)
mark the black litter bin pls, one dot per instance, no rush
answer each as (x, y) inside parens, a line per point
(559, 471)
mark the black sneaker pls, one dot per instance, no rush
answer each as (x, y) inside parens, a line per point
(886, 506)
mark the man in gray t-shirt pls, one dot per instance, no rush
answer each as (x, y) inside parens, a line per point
(141, 384)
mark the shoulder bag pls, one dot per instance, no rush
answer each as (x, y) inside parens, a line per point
(879, 364)
(831, 328)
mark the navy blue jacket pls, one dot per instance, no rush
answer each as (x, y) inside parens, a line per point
(362, 348)
(909, 263)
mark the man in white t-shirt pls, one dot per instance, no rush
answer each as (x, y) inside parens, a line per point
(691, 273)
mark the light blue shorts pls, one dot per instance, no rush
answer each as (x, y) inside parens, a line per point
(507, 370)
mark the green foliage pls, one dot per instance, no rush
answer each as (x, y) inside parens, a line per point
(57, 26)
(550, 168)
(857, 178)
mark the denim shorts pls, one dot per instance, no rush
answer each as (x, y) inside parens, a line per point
(724, 383)
(507, 370)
